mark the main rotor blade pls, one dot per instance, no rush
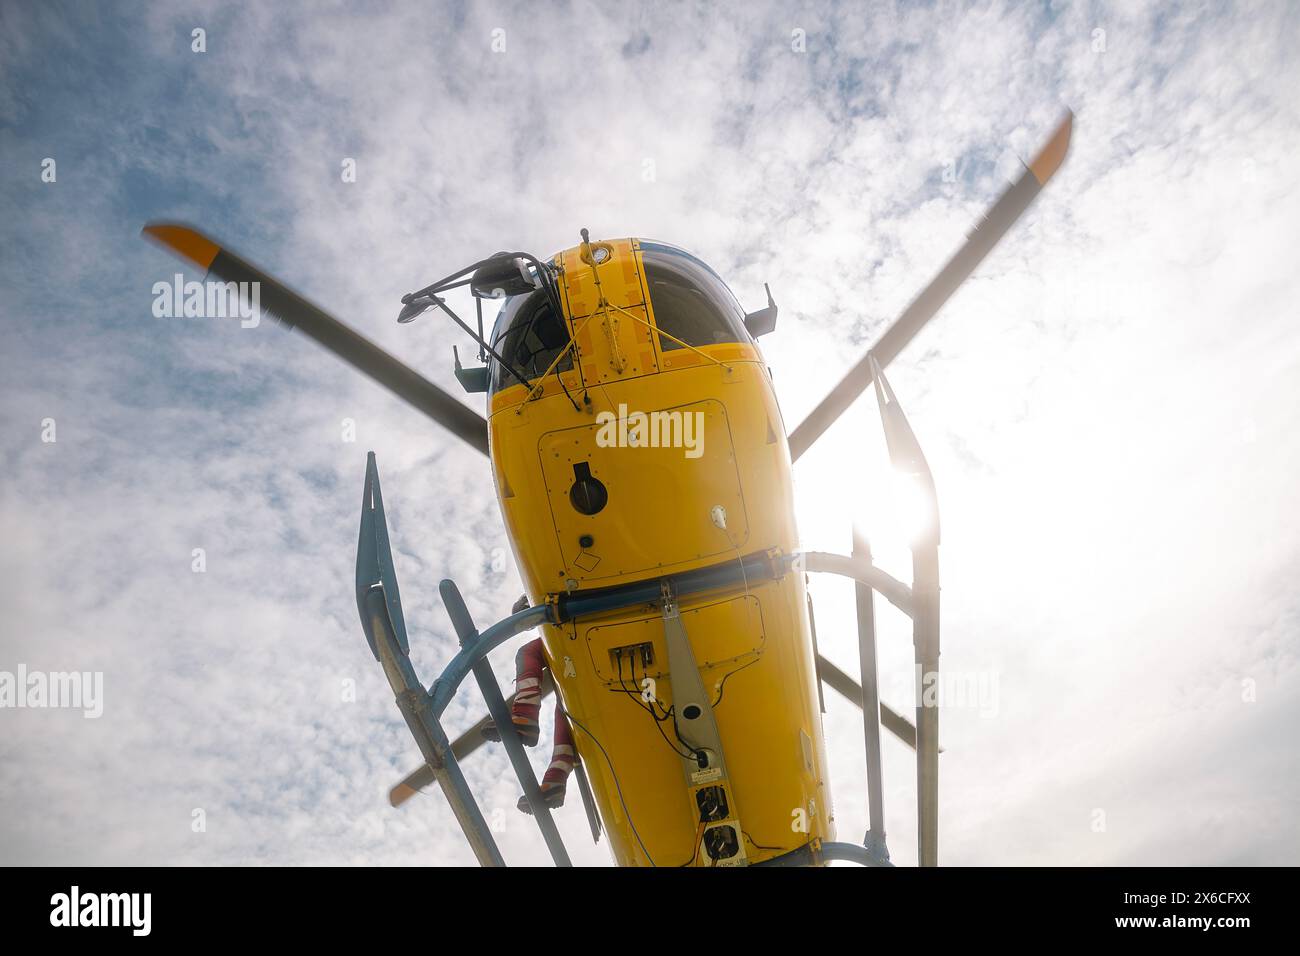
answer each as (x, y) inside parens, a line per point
(464, 745)
(1003, 214)
(296, 312)
(851, 690)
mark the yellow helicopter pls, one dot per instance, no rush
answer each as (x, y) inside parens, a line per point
(643, 472)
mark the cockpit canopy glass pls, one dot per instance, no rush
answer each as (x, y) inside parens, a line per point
(691, 302)
(529, 335)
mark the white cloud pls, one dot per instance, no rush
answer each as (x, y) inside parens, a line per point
(1109, 406)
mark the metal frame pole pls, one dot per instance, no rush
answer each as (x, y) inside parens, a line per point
(487, 682)
(417, 708)
(866, 608)
(925, 638)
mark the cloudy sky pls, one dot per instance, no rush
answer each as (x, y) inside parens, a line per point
(1110, 406)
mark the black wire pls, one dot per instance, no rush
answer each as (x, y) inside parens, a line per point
(722, 685)
(552, 288)
(693, 753)
(622, 685)
(636, 698)
(653, 699)
(553, 297)
(671, 712)
(576, 408)
(478, 311)
(552, 285)
(758, 846)
(677, 732)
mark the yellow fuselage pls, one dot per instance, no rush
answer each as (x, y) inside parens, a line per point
(663, 518)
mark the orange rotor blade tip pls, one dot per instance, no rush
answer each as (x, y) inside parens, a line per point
(185, 242)
(1050, 157)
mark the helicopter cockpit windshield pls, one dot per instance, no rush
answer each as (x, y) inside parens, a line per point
(529, 335)
(691, 302)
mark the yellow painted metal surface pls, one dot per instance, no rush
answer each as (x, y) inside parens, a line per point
(752, 642)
